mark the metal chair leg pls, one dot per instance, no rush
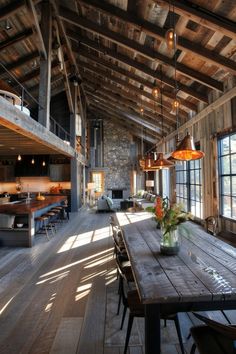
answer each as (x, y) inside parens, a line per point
(130, 323)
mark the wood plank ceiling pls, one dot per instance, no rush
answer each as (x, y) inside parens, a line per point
(119, 51)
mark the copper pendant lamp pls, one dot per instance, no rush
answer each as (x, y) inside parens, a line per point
(186, 150)
(162, 163)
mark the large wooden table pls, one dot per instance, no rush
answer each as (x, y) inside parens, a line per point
(30, 209)
(201, 277)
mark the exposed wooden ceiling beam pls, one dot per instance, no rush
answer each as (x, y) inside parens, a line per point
(204, 17)
(170, 119)
(132, 127)
(124, 104)
(159, 33)
(132, 98)
(35, 73)
(17, 38)
(11, 8)
(22, 61)
(72, 18)
(126, 115)
(128, 86)
(132, 76)
(36, 27)
(139, 66)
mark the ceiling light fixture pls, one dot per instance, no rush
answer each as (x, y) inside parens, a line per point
(161, 163)
(19, 157)
(32, 161)
(44, 163)
(186, 150)
(171, 35)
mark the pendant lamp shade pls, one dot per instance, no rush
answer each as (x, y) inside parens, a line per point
(186, 150)
(162, 163)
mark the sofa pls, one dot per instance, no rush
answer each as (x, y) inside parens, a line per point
(105, 203)
(144, 199)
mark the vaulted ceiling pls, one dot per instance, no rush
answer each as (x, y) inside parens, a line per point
(119, 51)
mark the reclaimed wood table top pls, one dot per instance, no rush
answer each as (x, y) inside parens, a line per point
(204, 269)
(30, 206)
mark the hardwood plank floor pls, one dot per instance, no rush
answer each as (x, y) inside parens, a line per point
(53, 296)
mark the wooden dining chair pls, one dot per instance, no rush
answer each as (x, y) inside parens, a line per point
(136, 309)
(213, 337)
(124, 271)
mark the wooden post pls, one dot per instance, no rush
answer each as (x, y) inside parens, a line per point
(45, 66)
(75, 165)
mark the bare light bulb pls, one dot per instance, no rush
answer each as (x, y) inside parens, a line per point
(171, 38)
(19, 158)
(141, 110)
(32, 161)
(44, 163)
(175, 105)
(155, 92)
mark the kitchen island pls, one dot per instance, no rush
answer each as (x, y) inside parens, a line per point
(25, 212)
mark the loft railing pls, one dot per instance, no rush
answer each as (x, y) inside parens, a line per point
(26, 102)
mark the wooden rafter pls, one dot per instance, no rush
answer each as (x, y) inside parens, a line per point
(72, 18)
(139, 66)
(132, 76)
(131, 96)
(36, 27)
(113, 108)
(159, 33)
(124, 104)
(132, 127)
(17, 38)
(22, 61)
(204, 17)
(126, 85)
(11, 8)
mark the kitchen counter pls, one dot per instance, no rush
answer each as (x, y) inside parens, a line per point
(27, 210)
(28, 207)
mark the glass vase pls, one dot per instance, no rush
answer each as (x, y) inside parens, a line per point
(170, 242)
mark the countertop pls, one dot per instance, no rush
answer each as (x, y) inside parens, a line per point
(23, 207)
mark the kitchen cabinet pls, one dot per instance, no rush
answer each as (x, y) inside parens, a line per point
(7, 173)
(59, 172)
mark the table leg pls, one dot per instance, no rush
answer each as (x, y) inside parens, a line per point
(152, 329)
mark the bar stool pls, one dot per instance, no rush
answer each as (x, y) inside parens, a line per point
(61, 211)
(57, 212)
(51, 222)
(44, 220)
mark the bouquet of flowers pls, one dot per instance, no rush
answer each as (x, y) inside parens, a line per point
(169, 216)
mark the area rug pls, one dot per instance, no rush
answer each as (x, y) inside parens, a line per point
(113, 335)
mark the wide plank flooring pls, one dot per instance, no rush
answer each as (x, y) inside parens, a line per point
(53, 297)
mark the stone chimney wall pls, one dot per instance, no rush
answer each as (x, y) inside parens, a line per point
(117, 150)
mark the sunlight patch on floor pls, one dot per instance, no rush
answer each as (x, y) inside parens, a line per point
(70, 265)
(76, 241)
(82, 291)
(111, 276)
(99, 262)
(101, 234)
(54, 278)
(49, 305)
(5, 306)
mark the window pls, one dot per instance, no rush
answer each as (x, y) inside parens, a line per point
(227, 175)
(98, 180)
(189, 186)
